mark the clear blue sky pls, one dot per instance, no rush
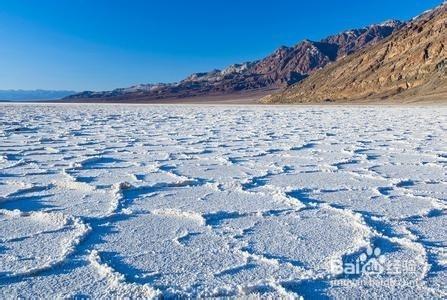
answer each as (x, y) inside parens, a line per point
(104, 44)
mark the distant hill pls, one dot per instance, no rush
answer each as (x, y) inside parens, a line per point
(285, 66)
(33, 95)
(409, 65)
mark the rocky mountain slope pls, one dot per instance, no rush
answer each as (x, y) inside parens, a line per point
(286, 66)
(410, 64)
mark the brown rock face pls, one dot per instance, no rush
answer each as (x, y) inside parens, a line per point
(285, 66)
(353, 40)
(412, 62)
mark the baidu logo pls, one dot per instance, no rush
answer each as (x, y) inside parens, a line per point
(371, 262)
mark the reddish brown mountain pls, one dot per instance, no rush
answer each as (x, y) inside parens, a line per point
(285, 66)
(409, 65)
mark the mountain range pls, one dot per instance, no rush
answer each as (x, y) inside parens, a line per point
(409, 65)
(33, 95)
(392, 60)
(282, 68)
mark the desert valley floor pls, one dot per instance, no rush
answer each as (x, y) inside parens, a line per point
(159, 200)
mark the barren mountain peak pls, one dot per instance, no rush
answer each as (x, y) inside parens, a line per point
(409, 64)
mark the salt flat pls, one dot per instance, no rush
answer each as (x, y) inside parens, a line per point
(150, 201)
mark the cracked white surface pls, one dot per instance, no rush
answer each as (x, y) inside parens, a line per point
(166, 201)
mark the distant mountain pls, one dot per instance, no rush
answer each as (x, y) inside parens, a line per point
(30, 95)
(411, 64)
(285, 66)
